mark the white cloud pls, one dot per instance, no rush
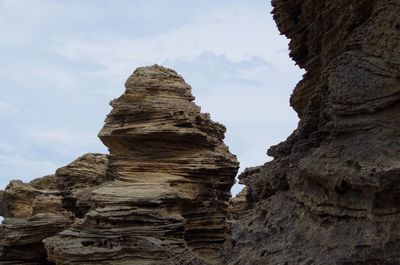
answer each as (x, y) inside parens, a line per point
(66, 143)
(5, 147)
(14, 166)
(223, 31)
(58, 77)
(59, 136)
(8, 110)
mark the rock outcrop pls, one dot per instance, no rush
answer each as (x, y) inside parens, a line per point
(237, 205)
(331, 194)
(160, 197)
(44, 207)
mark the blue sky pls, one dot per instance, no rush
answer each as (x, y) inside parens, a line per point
(63, 61)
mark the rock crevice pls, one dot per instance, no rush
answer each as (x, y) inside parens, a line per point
(330, 196)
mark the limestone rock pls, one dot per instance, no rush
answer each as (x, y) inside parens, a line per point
(21, 238)
(172, 175)
(331, 195)
(44, 207)
(160, 197)
(237, 206)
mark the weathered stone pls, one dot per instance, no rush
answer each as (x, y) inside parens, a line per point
(237, 205)
(172, 177)
(331, 194)
(17, 200)
(160, 197)
(44, 207)
(21, 238)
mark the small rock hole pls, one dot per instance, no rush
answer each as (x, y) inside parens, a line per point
(342, 188)
(87, 243)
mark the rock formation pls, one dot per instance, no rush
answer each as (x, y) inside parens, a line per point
(160, 197)
(331, 194)
(45, 207)
(237, 205)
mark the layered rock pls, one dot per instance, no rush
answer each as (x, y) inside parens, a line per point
(160, 197)
(44, 207)
(237, 205)
(172, 178)
(331, 194)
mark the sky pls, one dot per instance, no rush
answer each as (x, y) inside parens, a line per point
(63, 61)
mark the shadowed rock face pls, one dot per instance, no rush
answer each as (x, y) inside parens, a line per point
(331, 195)
(160, 197)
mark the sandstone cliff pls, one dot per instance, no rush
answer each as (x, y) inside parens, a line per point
(331, 194)
(45, 207)
(160, 197)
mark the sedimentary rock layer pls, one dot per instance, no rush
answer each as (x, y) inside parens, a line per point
(237, 205)
(44, 207)
(172, 175)
(331, 195)
(160, 197)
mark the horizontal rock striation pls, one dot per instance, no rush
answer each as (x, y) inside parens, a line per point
(44, 207)
(160, 197)
(237, 206)
(331, 194)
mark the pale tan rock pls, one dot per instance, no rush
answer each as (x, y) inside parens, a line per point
(172, 174)
(16, 200)
(160, 197)
(45, 207)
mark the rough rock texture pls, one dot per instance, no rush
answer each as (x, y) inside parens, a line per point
(331, 194)
(45, 207)
(160, 197)
(237, 205)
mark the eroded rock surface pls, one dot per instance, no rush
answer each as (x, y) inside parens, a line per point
(45, 206)
(331, 195)
(237, 206)
(160, 197)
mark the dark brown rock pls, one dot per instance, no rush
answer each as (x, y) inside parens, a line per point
(331, 195)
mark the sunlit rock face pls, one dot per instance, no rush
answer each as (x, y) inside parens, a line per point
(171, 174)
(160, 197)
(331, 195)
